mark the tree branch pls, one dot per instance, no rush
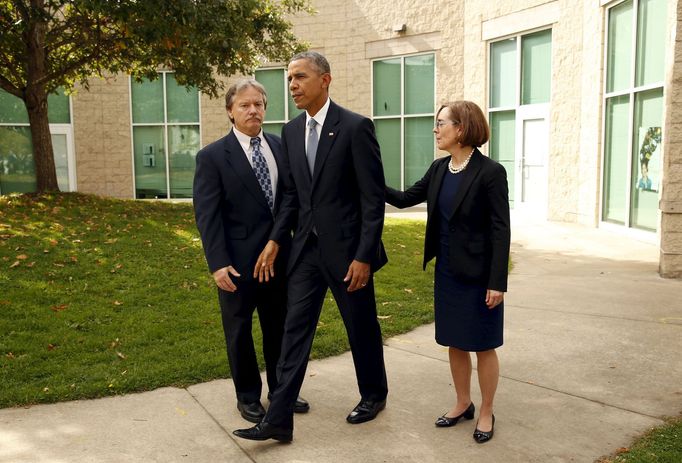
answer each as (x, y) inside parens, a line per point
(7, 86)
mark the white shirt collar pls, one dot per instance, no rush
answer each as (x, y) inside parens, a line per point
(320, 116)
(245, 140)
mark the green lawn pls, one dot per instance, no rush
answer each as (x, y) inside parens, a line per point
(101, 297)
(659, 445)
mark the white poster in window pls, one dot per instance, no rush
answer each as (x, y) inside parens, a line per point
(649, 158)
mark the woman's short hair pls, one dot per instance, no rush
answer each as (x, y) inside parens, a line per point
(471, 120)
(241, 85)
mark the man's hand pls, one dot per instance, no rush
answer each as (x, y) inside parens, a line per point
(223, 280)
(493, 298)
(265, 265)
(358, 275)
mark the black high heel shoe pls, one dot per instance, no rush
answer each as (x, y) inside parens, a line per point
(446, 422)
(482, 436)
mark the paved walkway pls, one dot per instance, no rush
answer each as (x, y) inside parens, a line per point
(591, 359)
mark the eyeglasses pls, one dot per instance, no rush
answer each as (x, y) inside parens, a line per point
(440, 124)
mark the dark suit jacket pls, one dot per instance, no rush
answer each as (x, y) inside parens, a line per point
(479, 231)
(344, 199)
(231, 211)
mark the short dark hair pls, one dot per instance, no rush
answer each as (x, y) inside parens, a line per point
(470, 118)
(316, 59)
(241, 85)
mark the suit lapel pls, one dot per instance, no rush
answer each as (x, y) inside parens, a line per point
(328, 134)
(296, 149)
(470, 173)
(235, 157)
(437, 183)
(277, 154)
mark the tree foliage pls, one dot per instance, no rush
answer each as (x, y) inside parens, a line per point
(47, 44)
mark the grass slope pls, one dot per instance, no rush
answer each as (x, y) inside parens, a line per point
(102, 296)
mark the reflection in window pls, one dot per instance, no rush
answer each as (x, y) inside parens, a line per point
(281, 108)
(165, 137)
(403, 92)
(634, 113)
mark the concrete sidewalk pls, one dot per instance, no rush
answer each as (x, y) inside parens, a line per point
(591, 359)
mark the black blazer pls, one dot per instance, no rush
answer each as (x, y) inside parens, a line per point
(231, 211)
(344, 198)
(479, 227)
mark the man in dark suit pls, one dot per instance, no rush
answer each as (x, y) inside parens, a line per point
(236, 194)
(333, 186)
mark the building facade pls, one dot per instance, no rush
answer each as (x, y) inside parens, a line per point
(581, 97)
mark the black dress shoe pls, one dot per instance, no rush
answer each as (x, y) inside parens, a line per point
(482, 436)
(446, 421)
(301, 405)
(253, 411)
(366, 410)
(265, 431)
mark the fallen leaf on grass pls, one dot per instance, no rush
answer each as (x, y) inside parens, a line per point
(22, 257)
(118, 303)
(59, 307)
(383, 317)
(120, 355)
(407, 290)
(51, 347)
(30, 264)
(15, 264)
(9, 355)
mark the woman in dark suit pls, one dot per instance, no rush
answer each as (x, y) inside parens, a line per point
(468, 232)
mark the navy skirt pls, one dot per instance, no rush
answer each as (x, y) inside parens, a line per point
(462, 318)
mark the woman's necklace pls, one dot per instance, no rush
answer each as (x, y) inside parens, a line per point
(457, 169)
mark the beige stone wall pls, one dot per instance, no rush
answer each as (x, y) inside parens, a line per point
(573, 161)
(101, 129)
(671, 191)
(350, 34)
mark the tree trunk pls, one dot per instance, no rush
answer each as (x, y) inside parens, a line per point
(36, 103)
(43, 156)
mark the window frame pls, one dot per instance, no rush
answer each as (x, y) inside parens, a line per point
(402, 116)
(631, 91)
(60, 128)
(165, 125)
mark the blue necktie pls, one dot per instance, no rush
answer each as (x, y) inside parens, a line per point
(260, 168)
(312, 144)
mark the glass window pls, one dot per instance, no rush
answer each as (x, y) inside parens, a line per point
(281, 108)
(520, 76)
(182, 101)
(650, 41)
(536, 69)
(503, 73)
(634, 116)
(403, 92)
(503, 142)
(166, 137)
(17, 169)
(615, 163)
(388, 135)
(13, 110)
(619, 49)
(419, 84)
(646, 162)
(387, 96)
(147, 101)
